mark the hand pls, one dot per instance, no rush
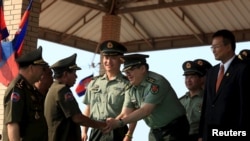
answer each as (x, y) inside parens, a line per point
(84, 137)
(112, 123)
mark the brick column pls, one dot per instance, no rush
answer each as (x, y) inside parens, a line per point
(111, 28)
(13, 11)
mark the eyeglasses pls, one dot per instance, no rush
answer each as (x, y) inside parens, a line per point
(133, 68)
(217, 46)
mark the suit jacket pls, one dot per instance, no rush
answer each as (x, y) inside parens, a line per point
(227, 109)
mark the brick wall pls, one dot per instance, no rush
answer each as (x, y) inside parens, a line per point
(13, 11)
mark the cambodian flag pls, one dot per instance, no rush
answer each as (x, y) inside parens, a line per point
(83, 84)
(3, 29)
(20, 34)
(12, 49)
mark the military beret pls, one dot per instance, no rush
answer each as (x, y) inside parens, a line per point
(133, 60)
(111, 47)
(204, 64)
(244, 54)
(68, 63)
(191, 68)
(33, 57)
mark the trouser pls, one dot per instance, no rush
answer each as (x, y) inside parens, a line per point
(115, 135)
(177, 130)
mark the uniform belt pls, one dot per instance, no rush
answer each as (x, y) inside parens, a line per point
(169, 125)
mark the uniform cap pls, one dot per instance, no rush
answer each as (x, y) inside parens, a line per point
(204, 64)
(33, 57)
(68, 63)
(133, 60)
(111, 47)
(191, 68)
(244, 54)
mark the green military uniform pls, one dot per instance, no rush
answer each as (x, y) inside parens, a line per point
(193, 110)
(193, 103)
(24, 105)
(105, 97)
(60, 105)
(168, 120)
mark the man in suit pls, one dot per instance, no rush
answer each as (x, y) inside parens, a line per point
(224, 111)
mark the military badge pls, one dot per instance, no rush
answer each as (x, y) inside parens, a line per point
(188, 65)
(110, 45)
(68, 96)
(15, 97)
(154, 89)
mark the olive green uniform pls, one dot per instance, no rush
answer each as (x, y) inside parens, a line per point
(60, 106)
(155, 89)
(193, 110)
(105, 98)
(24, 105)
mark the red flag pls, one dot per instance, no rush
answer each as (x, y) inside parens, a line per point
(20, 34)
(8, 65)
(3, 29)
(82, 86)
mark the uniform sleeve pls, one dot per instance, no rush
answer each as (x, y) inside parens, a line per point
(86, 99)
(68, 102)
(14, 105)
(129, 101)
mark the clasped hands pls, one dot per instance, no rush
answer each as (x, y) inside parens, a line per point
(111, 123)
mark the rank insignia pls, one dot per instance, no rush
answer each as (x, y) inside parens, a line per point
(68, 96)
(15, 97)
(154, 89)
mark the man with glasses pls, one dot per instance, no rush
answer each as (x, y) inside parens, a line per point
(20, 103)
(152, 98)
(225, 107)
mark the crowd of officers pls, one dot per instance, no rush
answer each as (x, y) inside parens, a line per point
(39, 104)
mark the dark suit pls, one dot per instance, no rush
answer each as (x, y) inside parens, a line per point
(226, 109)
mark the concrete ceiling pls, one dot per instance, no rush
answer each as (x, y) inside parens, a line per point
(146, 25)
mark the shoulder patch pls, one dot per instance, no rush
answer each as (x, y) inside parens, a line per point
(15, 97)
(154, 88)
(68, 96)
(150, 79)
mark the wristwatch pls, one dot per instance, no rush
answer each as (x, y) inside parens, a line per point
(121, 123)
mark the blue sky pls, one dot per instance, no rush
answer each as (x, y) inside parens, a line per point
(165, 62)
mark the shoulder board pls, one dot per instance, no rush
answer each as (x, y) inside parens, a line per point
(96, 77)
(150, 79)
(20, 84)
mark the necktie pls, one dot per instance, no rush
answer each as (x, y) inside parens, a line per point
(220, 76)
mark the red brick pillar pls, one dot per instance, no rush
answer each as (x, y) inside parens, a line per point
(111, 28)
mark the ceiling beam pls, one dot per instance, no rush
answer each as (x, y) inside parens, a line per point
(89, 5)
(165, 5)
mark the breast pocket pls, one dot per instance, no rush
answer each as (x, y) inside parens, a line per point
(117, 96)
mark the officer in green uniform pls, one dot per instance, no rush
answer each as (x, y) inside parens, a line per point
(61, 109)
(194, 72)
(105, 94)
(21, 103)
(152, 98)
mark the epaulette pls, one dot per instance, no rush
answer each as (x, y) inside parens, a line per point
(96, 77)
(20, 84)
(150, 79)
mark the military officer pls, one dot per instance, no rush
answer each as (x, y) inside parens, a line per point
(152, 98)
(61, 109)
(21, 112)
(194, 72)
(105, 94)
